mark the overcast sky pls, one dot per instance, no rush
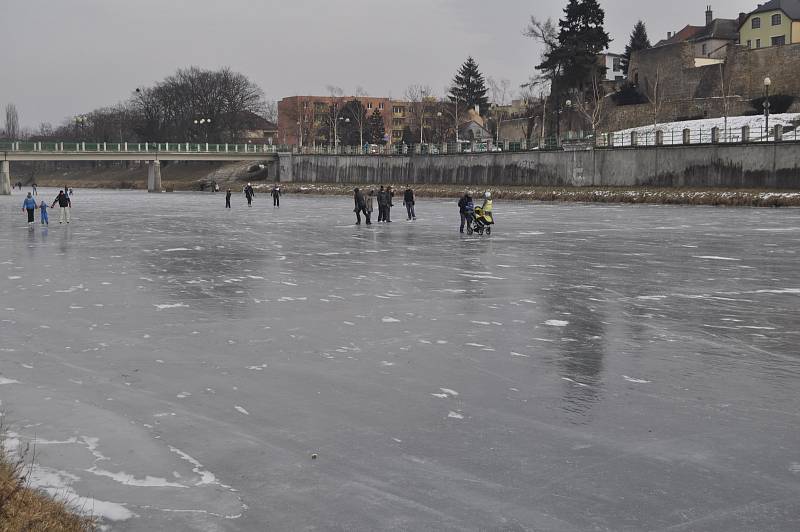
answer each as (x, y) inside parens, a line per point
(64, 57)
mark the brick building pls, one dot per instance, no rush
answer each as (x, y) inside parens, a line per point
(307, 120)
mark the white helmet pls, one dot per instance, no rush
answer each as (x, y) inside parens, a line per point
(487, 195)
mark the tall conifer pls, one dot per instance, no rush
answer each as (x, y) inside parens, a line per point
(469, 87)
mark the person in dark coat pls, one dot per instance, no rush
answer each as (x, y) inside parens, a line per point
(360, 206)
(249, 193)
(228, 199)
(462, 208)
(276, 196)
(381, 204)
(408, 201)
(388, 195)
(64, 206)
(370, 205)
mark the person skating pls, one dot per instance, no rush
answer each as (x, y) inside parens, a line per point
(462, 209)
(29, 204)
(408, 201)
(64, 204)
(276, 196)
(249, 193)
(369, 205)
(381, 204)
(388, 195)
(360, 206)
(43, 211)
(35, 189)
(228, 199)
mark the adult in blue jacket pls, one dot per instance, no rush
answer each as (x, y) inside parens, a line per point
(29, 205)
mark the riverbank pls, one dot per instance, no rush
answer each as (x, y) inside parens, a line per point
(23, 508)
(200, 176)
(662, 196)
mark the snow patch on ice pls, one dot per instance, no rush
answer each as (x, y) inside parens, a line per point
(129, 480)
(712, 257)
(174, 305)
(389, 319)
(241, 410)
(637, 381)
(556, 323)
(455, 415)
(4, 380)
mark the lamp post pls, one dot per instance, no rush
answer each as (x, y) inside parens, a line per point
(300, 133)
(336, 131)
(80, 121)
(767, 83)
(203, 124)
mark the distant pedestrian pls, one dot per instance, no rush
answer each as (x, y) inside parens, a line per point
(64, 206)
(408, 201)
(29, 204)
(34, 189)
(228, 199)
(462, 208)
(387, 216)
(249, 193)
(276, 196)
(43, 211)
(370, 205)
(70, 192)
(381, 204)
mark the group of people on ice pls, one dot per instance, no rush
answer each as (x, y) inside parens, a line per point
(250, 193)
(63, 200)
(365, 204)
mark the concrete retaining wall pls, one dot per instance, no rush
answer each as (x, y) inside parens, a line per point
(772, 166)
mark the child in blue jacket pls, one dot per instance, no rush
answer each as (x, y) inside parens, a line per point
(43, 210)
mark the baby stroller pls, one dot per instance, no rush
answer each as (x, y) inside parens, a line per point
(482, 222)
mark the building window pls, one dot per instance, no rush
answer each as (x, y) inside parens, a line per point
(779, 41)
(776, 19)
(705, 49)
(398, 110)
(749, 43)
(617, 64)
(380, 106)
(397, 134)
(758, 43)
(369, 105)
(397, 122)
(756, 24)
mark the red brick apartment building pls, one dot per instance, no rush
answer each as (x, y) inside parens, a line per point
(307, 118)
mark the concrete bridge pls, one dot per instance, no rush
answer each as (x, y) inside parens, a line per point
(152, 153)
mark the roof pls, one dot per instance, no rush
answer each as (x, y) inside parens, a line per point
(684, 35)
(720, 28)
(790, 7)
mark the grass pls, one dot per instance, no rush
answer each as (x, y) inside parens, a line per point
(28, 509)
(631, 195)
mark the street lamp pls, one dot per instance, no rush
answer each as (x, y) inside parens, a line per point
(767, 83)
(80, 121)
(336, 131)
(203, 123)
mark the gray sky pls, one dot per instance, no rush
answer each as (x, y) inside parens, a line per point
(63, 57)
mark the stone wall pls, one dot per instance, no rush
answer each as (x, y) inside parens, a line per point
(696, 92)
(768, 166)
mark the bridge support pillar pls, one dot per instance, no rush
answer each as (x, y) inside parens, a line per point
(284, 171)
(154, 176)
(5, 178)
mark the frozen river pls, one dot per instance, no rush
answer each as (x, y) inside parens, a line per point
(585, 368)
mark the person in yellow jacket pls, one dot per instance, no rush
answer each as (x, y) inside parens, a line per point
(486, 209)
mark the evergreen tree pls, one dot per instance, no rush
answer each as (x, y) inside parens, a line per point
(376, 128)
(469, 87)
(639, 41)
(581, 37)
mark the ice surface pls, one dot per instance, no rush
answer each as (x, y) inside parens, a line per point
(587, 367)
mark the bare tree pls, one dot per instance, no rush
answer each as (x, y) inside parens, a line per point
(546, 34)
(271, 111)
(500, 91)
(419, 98)
(12, 122)
(359, 117)
(655, 97)
(591, 103)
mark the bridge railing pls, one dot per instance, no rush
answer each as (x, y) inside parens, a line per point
(138, 147)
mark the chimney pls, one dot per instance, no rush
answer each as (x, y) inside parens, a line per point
(709, 15)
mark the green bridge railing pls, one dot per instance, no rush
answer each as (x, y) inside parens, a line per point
(137, 147)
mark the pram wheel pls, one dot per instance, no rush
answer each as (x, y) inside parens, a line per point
(469, 229)
(488, 231)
